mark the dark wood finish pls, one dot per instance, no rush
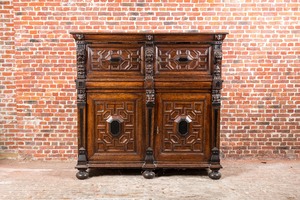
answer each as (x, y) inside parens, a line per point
(148, 101)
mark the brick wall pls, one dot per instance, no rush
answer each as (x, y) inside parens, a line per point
(261, 69)
(8, 109)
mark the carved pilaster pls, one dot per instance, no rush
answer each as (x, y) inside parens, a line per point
(217, 79)
(149, 79)
(149, 164)
(81, 74)
(216, 103)
(81, 57)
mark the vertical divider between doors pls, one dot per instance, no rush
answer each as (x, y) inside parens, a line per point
(149, 163)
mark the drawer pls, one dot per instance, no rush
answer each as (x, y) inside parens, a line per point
(182, 61)
(115, 60)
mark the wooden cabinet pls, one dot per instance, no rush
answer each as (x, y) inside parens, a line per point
(148, 101)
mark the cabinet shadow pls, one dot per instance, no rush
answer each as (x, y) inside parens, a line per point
(95, 172)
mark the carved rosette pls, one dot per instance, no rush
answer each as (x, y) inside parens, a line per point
(81, 74)
(149, 79)
(217, 79)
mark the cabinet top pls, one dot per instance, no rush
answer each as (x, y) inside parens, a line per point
(158, 37)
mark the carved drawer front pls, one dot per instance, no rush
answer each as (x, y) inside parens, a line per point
(183, 129)
(183, 60)
(115, 59)
(115, 126)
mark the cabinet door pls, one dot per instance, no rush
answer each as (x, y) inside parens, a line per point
(183, 128)
(115, 127)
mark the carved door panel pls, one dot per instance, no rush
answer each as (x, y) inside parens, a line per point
(115, 127)
(183, 127)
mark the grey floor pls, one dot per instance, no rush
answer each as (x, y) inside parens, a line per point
(240, 180)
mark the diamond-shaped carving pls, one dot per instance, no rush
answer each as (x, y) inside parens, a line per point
(112, 138)
(182, 59)
(115, 124)
(182, 125)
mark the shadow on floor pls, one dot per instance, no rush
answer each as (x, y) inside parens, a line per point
(94, 172)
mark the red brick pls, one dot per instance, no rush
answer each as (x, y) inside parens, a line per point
(261, 69)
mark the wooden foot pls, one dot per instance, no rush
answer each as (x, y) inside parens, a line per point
(214, 174)
(82, 174)
(215, 164)
(148, 174)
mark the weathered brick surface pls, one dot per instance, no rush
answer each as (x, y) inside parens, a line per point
(261, 69)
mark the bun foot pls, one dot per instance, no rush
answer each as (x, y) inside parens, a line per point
(82, 174)
(148, 174)
(214, 174)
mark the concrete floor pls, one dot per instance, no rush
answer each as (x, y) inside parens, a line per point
(240, 180)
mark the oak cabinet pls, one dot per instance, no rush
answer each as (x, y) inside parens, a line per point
(148, 101)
